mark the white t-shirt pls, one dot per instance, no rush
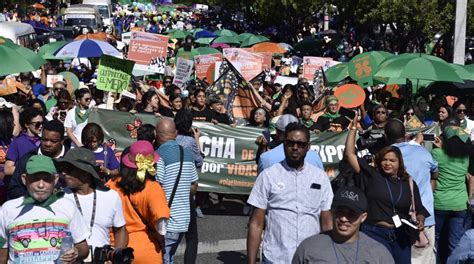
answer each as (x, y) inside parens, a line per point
(70, 122)
(108, 213)
(34, 236)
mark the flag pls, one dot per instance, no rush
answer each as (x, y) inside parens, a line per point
(237, 95)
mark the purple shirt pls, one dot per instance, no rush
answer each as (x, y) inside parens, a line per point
(21, 145)
(111, 163)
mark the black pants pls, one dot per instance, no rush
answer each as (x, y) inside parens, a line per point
(190, 254)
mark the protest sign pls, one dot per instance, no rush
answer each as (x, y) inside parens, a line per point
(114, 74)
(229, 166)
(8, 86)
(52, 79)
(203, 62)
(184, 69)
(312, 64)
(350, 95)
(266, 59)
(148, 49)
(284, 80)
(251, 63)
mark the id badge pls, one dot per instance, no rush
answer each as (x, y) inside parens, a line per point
(89, 257)
(396, 221)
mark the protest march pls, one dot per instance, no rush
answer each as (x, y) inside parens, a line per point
(127, 128)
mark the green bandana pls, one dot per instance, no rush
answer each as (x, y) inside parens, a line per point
(464, 124)
(331, 116)
(29, 202)
(80, 117)
(308, 123)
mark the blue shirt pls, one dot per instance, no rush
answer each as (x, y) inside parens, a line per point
(189, 142)
(277, 154)
(293, 200)
(464, 250)
(167, 173)
(420, 164)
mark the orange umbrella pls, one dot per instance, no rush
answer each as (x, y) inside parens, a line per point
(38, 6)
(102, 36)
(268, 47)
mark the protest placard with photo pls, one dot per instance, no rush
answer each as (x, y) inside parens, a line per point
(312, 64)
(203, 62)
(251, 63)
(148, 51)
(52, 79)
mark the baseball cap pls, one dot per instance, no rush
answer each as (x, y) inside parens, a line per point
(40, 163)
(284, 120)
(350, 197)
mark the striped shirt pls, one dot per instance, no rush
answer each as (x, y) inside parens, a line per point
(167, 173)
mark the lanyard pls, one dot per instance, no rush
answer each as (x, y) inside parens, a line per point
(93, 209)
(357, 251)
(391, 196)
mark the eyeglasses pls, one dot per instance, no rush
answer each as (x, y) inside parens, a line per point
(300, 144)
(332, 104)
(87, 99)
(37, 124)
(461, 111)
(381, 112)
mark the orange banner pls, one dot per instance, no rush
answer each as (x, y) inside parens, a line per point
(145, 47)
(203, 62)
(250, 64)
(312, 64)
(267, 59)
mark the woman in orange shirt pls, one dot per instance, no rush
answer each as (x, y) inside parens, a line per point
(144, 203)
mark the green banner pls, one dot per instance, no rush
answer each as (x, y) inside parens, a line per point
(114, 74)
(229, 166)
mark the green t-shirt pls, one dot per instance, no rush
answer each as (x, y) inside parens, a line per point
(451, 189)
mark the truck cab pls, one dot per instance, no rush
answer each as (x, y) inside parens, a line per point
(104, 7)
(83, 15)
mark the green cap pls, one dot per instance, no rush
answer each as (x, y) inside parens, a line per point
(40, 163)
(456, 131)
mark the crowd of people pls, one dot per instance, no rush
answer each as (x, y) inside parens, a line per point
(61, 181)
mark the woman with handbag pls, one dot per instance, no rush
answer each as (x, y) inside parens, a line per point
(387, 187)
(144, 203)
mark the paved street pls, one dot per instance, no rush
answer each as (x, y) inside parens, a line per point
(222, 234)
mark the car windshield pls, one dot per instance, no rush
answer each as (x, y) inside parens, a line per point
(80, 22)
(104, 11)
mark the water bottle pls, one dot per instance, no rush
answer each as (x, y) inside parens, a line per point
(66, 244)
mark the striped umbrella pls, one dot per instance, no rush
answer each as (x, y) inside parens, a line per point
(87, 48)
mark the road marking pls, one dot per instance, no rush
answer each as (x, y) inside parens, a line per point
(216, 246)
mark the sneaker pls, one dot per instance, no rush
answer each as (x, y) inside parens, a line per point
(199, 212)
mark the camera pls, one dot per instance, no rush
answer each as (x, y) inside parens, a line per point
(116, 256)
(373, 140)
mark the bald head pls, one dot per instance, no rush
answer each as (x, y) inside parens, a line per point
(165, 130)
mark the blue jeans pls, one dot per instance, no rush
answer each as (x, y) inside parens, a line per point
(450, 226)
(395, 240)
(171, 245)
(265, 260)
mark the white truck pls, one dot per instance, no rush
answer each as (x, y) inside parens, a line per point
(83, 15)
(105, 9)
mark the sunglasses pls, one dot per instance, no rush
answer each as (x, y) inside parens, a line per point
(87, 99)
(461, 111)
(381, 112)
(410, 113)
(37, 124)
(40, 176)
(300, 144)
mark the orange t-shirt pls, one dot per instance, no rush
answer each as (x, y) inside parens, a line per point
(152, 204)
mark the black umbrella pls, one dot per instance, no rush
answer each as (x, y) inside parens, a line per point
(451, 88)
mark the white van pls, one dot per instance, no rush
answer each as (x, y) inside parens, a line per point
(20, 33)
(105, 9)
(83, 15)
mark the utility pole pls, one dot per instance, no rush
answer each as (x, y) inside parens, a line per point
(460, 32)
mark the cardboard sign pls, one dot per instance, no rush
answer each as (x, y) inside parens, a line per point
(114, 74)
(312, 64)
(147, 48)
(52, 79)
(184, 69)
(350, 95)
(203, 62)
(251, 63)
(8, 86)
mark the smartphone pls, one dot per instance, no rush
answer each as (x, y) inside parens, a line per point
(267, 135)
(428, 137)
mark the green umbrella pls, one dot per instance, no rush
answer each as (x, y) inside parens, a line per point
(15, 58)
(47, 51)
(225, 33)
(470, 67)
(203, 51)
(178, 34)
(243, 36)
(204, 41)
(337, 72)
(252, 40)
(463, 71)
(363, 66)
(383, 80)
(227, 40)
(418, 68)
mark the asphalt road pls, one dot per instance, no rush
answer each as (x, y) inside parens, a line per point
(222, 233)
